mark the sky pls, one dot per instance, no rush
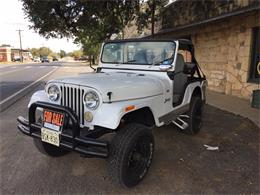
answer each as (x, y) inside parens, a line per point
(12, 18)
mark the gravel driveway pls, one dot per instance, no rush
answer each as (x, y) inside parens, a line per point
(182, 164)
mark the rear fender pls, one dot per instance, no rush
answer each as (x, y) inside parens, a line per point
(190, 90)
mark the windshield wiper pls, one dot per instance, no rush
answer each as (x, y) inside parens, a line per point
(129, 61)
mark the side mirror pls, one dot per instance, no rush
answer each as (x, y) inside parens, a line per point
(165, 67)
(189, 67)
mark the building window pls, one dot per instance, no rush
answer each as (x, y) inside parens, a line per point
(254, 74)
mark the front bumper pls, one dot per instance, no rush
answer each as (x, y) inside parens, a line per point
(71, 138)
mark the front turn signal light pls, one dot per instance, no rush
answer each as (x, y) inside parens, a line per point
(129, 108)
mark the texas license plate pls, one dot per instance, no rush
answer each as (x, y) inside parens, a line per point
(50, 136)
(51, 128)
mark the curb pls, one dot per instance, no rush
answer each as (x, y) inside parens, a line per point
(256, 122)
(19, 94)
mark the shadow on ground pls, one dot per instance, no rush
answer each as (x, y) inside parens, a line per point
(181, 164)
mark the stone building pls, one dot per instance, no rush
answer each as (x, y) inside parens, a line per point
(226, 35)
(5, 54)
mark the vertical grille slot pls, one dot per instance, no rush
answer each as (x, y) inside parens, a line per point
(73, 97)
(79, 107)
(69, 104)
(82, 113)
(76, 100)
(66, 97)
(61, 100)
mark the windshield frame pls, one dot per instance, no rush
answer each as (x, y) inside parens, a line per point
(138, 40)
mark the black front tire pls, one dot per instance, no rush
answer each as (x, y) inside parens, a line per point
(48, 149)
(131, 153)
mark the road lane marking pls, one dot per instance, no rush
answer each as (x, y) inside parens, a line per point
(11, 71)
(8, 72)
(42, 66)
(14, 67)
(5, 66)
(15, 64)
(22, 90)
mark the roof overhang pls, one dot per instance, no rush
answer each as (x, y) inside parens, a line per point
(184, 27)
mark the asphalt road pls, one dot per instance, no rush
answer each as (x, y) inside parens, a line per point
(181, 163)
(16, 77)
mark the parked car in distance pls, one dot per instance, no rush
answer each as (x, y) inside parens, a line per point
(45, 59)
(55, 59)
(16, 59)
(83, 58)
(37, 59)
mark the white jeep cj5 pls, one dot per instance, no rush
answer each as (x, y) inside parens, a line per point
(139, 84)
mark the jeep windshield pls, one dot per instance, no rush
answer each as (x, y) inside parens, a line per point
(139, 52)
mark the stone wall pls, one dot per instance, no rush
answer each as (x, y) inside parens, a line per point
(183, 12)
(223, 50)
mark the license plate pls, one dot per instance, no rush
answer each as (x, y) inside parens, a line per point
(52, 126)
(50, 136)
(53, 120)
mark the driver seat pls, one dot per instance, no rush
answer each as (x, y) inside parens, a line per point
(180, 80)
(140, 57)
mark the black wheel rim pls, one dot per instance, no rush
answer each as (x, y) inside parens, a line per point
(139, 159)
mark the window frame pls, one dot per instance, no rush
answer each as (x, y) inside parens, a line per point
(140, 40)
(253, 57)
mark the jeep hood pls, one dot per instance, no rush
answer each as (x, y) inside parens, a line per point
(124, 86)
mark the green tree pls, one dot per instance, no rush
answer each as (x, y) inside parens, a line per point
(62, 53)
(88, 22)
(91, 49)
(149, 14)
(70, 54)
(76, 53)
(73, 18)
(53, 54)
(44, 51)
(90, 46)
(35, 52)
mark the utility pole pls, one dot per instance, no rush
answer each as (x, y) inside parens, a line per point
(152, 19)
(21, 48)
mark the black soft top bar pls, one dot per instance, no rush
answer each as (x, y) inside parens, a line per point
(181, 41)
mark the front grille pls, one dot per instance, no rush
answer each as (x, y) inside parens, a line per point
(72, 96)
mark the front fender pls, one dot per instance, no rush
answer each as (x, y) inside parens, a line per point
(109, 115)
(39, 96)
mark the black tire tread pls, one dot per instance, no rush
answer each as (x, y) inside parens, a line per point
(193, 103)
(118, 147)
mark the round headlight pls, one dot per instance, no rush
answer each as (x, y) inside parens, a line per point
(91, 100)
(53, 92)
